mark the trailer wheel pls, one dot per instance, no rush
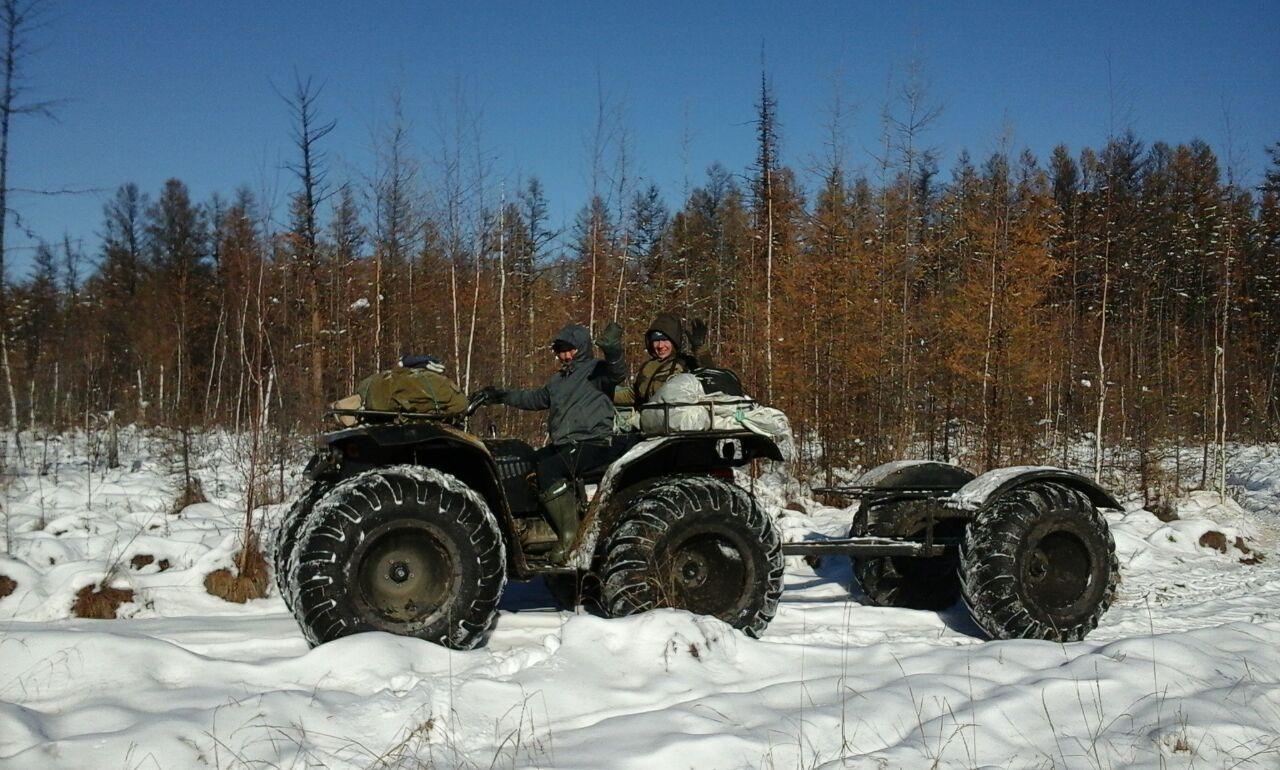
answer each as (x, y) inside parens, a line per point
(907, 581)
(695, 543)
(1039, 563)
(287, 535)
(407, 550)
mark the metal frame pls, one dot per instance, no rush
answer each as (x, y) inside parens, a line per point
(881, 546)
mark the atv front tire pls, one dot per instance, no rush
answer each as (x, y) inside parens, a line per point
(1039, 563)
(407, 550)
(696, 543)
(287, 535)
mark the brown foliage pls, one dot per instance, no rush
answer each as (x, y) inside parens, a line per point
(7, 585)
(248, 581)
(97, 601)
(958, 319)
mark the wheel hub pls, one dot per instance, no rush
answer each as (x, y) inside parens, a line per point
(400, 572)
(708, 575)
(403, 574)
(1056, 572)
(693, 572)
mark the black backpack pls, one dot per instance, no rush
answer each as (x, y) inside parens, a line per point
(720, 381)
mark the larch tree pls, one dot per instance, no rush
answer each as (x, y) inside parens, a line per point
(764, 192)
(308, 129)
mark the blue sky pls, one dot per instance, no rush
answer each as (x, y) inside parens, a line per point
(186, 89)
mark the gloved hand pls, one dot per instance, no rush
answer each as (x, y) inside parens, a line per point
(610, 340)
(697, 333)
(492, 394)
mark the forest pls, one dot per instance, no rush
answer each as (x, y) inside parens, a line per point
(1115, 308)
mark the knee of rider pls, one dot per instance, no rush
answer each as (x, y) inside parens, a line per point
(555, 488)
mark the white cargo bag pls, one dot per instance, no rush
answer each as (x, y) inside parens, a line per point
(680, 395)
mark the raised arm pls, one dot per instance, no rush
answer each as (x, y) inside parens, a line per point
(610, 344)
(530, 399)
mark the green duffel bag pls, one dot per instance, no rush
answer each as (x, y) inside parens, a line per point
(416, 390)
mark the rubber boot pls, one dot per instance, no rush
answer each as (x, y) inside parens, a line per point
(561, 505)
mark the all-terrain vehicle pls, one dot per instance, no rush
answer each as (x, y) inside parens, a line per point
(413, 526)
(1027, 547)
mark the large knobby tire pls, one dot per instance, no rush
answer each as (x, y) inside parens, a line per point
(1039, 563)
(407, 550)
(906, 581)
(287, 536)
(696, 543)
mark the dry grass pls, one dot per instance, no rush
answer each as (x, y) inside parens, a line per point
(143, 559)
(266, 493)
(190, 494)
(1250, 557)
(1218, 542)
(96, 601)
(1164, 510)
(7, 585)
(1215, 540)
(248, 581)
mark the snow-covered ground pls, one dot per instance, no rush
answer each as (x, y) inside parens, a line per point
(1182, 671)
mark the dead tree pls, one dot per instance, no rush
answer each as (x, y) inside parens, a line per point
(308, 130)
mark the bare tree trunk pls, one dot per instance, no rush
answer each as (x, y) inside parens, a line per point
(13, 399)
(453, 298)
(502, 286)
(475, 308)
(595, 229)
(1102, 366)
(768, 294)
(142, 400)
(1220, 366)
(215, 371)
(377, 308)
(988, 458)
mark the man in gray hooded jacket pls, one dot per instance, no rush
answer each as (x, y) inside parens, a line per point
(579, 399)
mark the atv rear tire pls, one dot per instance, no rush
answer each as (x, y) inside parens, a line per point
(405, 549)
(1039, 563)
(696, 543)
(287, 535)
(913, 582)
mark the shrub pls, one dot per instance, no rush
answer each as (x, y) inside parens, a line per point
(100, 602)
(249, 580)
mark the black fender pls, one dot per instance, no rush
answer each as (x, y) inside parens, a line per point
(990, 486)
(915, 474)
(430, 444)
(913, 477)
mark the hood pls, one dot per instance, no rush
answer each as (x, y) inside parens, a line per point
(669, 324)
(577, 336)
